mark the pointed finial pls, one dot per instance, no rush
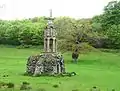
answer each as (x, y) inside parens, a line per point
(50, 18)
(50, 12)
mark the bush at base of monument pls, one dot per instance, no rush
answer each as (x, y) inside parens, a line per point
(45, 64)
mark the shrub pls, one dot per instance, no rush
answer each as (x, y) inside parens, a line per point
(5, 75)
(2, 84)
(25, 86)
(10, 85)
(26, 83)
(55, 86)
(85, 47)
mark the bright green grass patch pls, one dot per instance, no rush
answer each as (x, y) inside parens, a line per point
(94, 69)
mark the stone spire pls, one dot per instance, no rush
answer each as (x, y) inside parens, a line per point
(50, 12)
(50, 44)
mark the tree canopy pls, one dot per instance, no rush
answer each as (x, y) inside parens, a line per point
(101, 31)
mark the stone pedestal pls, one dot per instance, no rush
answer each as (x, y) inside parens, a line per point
(45, 64)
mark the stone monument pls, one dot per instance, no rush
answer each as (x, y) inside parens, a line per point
(49, 62)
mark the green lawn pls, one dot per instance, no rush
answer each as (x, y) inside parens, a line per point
(94, 69)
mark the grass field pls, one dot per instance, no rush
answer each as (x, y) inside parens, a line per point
(99, 69)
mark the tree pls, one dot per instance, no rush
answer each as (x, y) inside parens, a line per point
(113, 37)
(111, 15)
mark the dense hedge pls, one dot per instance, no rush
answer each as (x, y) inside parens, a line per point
(108, 24)
(70, 32)
(24, 32)
(30, 32)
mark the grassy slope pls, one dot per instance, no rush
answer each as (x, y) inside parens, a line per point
(94, 69)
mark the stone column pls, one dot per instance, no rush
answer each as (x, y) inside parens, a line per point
(44, 45)
(48, 44)
(54, 45)
(50, 31)
(59, 68)
(54, 32)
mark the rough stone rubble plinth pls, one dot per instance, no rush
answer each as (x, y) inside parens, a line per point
(48, 64)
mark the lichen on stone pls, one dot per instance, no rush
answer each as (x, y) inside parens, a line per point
(48, 63)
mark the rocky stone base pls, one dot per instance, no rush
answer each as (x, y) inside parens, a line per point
(45, 64)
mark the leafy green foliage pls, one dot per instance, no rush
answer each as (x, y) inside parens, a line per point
(114, 36)
(72, 32)
(111, 15)
(24, 32)
(29, 32)
(108, 24)
(102, 31)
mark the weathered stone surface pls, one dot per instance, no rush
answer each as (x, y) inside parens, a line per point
(50, 62)
(47, 63)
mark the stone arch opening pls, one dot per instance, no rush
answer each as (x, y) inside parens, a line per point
(51, 45)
